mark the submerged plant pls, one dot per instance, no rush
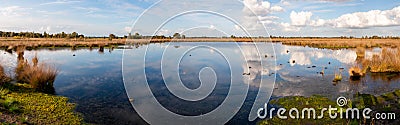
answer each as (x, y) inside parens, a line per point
(338, 76)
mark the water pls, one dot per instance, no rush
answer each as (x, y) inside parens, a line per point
(94, 79)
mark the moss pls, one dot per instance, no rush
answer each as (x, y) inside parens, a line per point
(40, 108)
(388, 102)
(300, 102)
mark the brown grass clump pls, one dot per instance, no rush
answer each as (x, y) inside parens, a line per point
(356, 73)
(387, 61)
(3, 77)
(39, 76)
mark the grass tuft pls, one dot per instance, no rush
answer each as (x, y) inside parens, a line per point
(356, 73)
(387, 61)
(3, 77)
(39, 76)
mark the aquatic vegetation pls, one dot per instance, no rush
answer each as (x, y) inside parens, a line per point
(387, 61)
(338, 77)
(39, 76)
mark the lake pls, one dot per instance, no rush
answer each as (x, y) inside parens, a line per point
(94, 79)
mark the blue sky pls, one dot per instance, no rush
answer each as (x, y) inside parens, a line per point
(280, 17)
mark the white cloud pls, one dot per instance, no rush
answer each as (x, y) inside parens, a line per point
(258, 7)
(277, 9)
(300, 18)
(289, 28)
(237, 27)
(318, 22)
(163, 32)
(128, 29)
(372, 18)
(13, 11)
(212, 27)
(60, 2)
(285, 2)
(258, 12)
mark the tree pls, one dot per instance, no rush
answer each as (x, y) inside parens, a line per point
(129, 36)
(74, 35)
(177, 35)
(137, 36)
(46, 35)
(111, 36)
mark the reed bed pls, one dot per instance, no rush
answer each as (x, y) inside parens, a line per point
(387, 61)
(340, 43)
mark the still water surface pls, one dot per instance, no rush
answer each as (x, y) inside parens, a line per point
(94, 80)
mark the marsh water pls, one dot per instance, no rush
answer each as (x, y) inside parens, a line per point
(94, 81)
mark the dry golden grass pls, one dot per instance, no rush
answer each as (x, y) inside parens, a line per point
(387, 61)
(339, 43)
(356, 71)
(39, 76)
(3, 76)
(41, 42)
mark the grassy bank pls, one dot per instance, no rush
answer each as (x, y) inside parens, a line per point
(21, 105)
(29, 103)
(385, 103)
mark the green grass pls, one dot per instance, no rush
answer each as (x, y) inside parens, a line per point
(388, 102)
(30, 106)
(300, 102)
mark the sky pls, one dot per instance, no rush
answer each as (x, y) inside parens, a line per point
(325, 18)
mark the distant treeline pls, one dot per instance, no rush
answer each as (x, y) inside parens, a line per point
(75, 35)
(41, 35)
